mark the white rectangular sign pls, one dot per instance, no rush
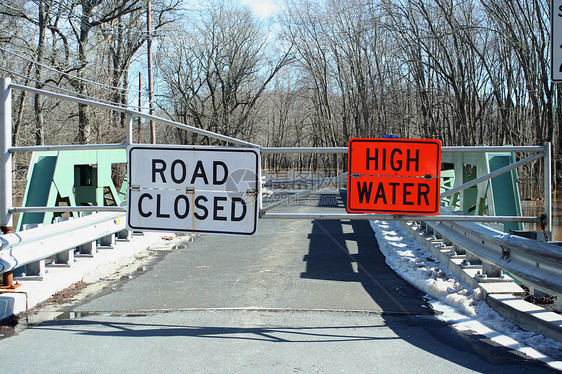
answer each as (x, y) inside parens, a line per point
(556, 41)
(193, 189)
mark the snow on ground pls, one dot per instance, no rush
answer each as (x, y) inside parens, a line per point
(462, 307)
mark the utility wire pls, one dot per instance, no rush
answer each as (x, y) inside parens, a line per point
(101, 85)
(71, 92)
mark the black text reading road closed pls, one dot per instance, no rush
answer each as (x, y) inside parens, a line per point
(196, 189)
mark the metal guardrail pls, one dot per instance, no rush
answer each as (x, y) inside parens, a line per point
(536, 264)
(37, 244)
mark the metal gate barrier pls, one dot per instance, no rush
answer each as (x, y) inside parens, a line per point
(265, 212)
(6, 149)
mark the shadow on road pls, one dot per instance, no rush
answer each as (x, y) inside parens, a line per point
(347, 251)
(293, 334)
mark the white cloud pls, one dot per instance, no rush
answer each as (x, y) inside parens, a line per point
(262, 8)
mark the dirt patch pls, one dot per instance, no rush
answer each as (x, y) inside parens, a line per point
(547, 302)
(68, 294)
(540, 300)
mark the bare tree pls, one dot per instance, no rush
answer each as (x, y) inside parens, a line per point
(524, 24)
(467, 72)
(92, 14)
(215, 70)
(123, 37)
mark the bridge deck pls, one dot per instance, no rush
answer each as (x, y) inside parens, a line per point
(300, 296)
(288, 264)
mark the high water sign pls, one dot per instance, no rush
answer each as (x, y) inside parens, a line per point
(394, 176)
(193, 189)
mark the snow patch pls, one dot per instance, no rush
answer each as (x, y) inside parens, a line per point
(462, 307)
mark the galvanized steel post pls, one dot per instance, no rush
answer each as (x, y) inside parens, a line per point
(129, 124)
(6, 167)
(548, 188)
(6, 158)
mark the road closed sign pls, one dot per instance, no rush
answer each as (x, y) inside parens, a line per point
(193, 189)
(394, 176)
(556, 40)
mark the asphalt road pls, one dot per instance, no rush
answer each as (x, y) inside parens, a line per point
(300, 296)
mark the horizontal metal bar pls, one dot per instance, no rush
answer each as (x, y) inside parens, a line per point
(63, 209)
(398, 217)
(491, 175)
(488, 148)
(272, 150)
(74, 147)
(327, 216)
(296, 181)
(446, 149)
(137, 114)
(277, 150)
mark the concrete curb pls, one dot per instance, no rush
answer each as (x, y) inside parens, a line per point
(498, 294)
(528, 316)
(103, 263)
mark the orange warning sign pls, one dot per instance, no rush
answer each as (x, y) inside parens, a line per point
(394, 176)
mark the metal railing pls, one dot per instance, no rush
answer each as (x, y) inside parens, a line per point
(536, 264)
(6, 149)
(539, 152)
(34, 245)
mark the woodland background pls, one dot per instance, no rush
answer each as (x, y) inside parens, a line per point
(467, 72)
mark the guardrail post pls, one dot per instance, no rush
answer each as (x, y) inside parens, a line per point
(87, 249)
(66, 257)
(108, 241)
(472, 259)
(35, 269)
(491, 271)
(124, 235)
(458, 250)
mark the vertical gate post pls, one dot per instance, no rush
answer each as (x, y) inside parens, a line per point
(548, 189)
(6, 158)
(129, 124)
(6, 167)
